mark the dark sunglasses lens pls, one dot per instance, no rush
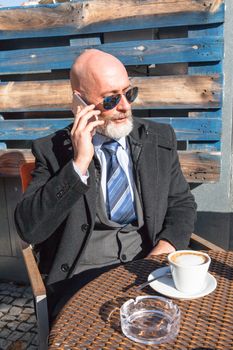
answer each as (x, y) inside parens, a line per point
(111, 101)
(131, 94)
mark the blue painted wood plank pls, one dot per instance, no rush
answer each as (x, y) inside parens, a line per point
(193, 129)
(207, 68)
(30, 129)
(130, 53)
(200, 32)
(184, 113)
(3, 145)
(191, 114)
(209, 146)
(215, 114)
(185, 128)
(85, 41)
(216, 29)
(126, 23)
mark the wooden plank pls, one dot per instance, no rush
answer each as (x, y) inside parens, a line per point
(174, 92)
(3, 145)
(204, 31)
(103, 16)
(205, 114)
(85, 42)
(36, 281)
(210, 146)
(209, 68)
(200, 166)
(181, 91)
(35, 96)
(33, 272)
(129, 52)
(197, 166)
(197, 242)
(193, 128)
(185, 128)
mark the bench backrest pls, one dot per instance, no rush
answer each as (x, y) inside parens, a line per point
(173, 51)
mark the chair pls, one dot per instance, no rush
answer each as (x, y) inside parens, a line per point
(37, 284)
(198, 243)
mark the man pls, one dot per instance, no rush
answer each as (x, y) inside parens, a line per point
(107, 189)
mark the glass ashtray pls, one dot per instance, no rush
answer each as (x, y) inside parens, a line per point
(150, 320)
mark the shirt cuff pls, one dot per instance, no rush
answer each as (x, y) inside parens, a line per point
(82, 177)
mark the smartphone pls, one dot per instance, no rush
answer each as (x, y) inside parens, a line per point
(77, 101)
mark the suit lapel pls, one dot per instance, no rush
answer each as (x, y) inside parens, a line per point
(91, 194)
(144, 148)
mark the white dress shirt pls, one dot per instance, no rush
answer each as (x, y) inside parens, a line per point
(123, 157)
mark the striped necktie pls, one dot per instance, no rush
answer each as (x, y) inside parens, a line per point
(119, 202)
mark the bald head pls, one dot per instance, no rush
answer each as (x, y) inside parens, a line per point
(96, 75)
(93, 68)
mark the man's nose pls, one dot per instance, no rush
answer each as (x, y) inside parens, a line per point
(123, 105)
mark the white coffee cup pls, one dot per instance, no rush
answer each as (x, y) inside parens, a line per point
(189, 270)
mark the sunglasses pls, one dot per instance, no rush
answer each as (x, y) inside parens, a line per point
(110, 102)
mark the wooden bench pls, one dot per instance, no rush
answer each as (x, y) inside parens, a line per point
(173, 51)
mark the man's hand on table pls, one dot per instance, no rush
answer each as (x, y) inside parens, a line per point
(161, 248)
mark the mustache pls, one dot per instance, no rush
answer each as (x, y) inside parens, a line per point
(116, 116)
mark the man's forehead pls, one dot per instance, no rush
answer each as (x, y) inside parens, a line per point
(111, 80)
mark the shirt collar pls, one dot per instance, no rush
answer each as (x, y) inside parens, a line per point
(99, 139)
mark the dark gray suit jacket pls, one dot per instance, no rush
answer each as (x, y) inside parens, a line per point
(57, 212)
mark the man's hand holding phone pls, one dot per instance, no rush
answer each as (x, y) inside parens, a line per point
(85, 123)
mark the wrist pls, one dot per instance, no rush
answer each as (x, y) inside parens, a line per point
(82, 165)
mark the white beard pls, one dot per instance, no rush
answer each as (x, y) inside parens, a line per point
(114, 131)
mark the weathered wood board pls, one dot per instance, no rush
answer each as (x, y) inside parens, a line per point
(89, 16)
(182, 91)
(143, 52)
(196, 166)
(186, 128)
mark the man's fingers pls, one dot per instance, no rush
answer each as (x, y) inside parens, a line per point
(91, 126)
(89, 117)
(81, 113)
(76, 119)
(84, 110)
(88, 129)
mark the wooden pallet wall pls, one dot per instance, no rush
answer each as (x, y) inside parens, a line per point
(173, 50)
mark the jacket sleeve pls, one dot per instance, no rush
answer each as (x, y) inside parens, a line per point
(47, 200)
(181, 207)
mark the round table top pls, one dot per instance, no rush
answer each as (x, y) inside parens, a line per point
(91, 320)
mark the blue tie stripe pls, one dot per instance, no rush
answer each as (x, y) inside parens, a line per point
(121, 204)
(113, 189)
(119, 200)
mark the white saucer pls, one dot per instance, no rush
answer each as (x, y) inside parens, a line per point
(165, 285)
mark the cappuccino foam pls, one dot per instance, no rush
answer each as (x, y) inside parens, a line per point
(189, 259)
